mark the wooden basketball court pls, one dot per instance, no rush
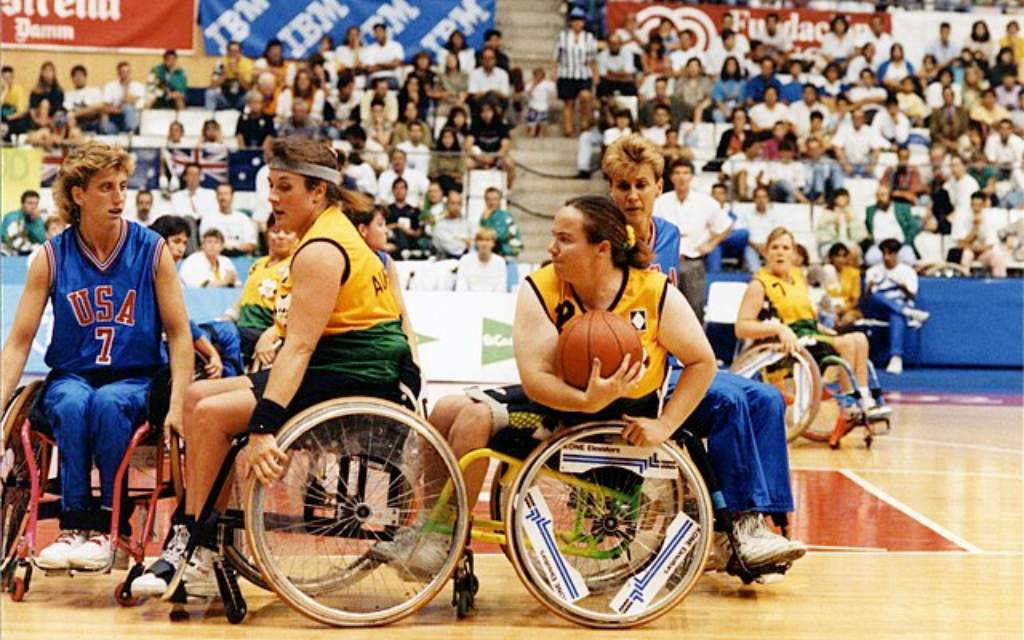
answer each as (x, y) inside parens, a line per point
(919, 537)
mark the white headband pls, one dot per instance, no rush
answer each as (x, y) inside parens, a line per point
(308, 169)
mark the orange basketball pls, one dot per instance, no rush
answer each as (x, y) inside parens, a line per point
(595, 334)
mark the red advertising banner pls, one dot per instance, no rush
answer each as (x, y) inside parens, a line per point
(126, 25)
(805, 28)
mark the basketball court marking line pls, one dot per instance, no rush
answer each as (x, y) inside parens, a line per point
(908, 511)
(955, 445)
(924, 472)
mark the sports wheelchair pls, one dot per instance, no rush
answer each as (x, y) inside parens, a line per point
(799, 376)
(602, 534)
(30, 495)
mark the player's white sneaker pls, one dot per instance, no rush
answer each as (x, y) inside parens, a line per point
(58, 554)
(159, 574)
(414, 554)
(895, 366)
(199, 579)
(94, 553)
(759, 545)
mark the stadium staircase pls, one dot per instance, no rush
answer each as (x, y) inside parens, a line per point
(546, 171)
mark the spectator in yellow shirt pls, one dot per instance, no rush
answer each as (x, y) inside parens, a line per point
(232, 78)
(14, 99)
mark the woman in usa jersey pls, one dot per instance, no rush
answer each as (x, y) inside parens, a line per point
(114, 292)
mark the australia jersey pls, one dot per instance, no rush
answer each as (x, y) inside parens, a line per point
(105, 315)
(256, 308)
(363, 337)
(639, 302)
(789, 301)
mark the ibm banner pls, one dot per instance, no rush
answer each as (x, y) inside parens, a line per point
(300, 25)
(134, 25)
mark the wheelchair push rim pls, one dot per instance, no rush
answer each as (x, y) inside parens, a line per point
(802, 392)
(334, 574)
(599, 543)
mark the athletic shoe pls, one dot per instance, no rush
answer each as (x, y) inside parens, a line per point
(58, 554)
(94, 554)
(199, 579)
(917, 316)
(759, 545)
(721, 552)
(414, 554)
(895, 365)
(877, 412)
(158, 576)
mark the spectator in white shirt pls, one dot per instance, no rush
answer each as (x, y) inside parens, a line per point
(725, 47)
(877, 35)
(238, 229)
(617, 70)
(143, 213)
(775, 40)
(417, 153)
(867, 59)
(450, 235)
(857, 147)
(482, 271)
(592, 140)
(891, 124)
(703, 224)
(194, 201)
(541, 94)
(488, 78)
(838, 44)
(867, 95)
(84, 103)
(633, 39)
(383, 58)
(961, 187)
(1005, 149)
(933, 94)
(662, 123)
(687, 51)
(417, 181)
(891, 288)
(943, 49)
(800, 112)
(892, 71)
(786, 178)
(124, 98)
(760, 222)
(764, 115)
(978, 238)
(208, 268)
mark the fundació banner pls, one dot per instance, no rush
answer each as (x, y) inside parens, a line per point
(300, 25)
(127, 25)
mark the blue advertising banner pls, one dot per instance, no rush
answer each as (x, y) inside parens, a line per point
(417, 26)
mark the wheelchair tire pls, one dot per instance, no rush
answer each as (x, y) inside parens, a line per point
(14, 478)
(802, 395)
(606, 535)
(357, 480)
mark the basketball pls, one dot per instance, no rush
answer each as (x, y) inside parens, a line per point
(595, 334)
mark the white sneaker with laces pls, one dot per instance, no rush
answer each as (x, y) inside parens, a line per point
(199, 579)
(159, 574)
(94, 554)
(414, 554)
(759, 546)
(58, 554)
(895, 366)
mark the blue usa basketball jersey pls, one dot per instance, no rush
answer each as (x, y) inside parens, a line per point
(105, 315)
(665, 245)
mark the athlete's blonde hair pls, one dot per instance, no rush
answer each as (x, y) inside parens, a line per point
(85, 161)
(777, 233)
(630, 151)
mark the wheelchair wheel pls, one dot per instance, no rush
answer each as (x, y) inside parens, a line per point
(368, 486)
(835, 404)
(14, 473)
(796, 376)
(605, 534)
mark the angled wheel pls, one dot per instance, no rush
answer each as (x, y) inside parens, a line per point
(14, 473)
(605, 534)
(796, 376)
(369, 489)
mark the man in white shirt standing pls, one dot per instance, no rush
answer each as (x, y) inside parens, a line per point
(891, 288)
(416, 181)
(702, 223)
(961, 186)
(124, 98)
(482, 270)
(194, 201)
(83, 102)
(238, 229)
(383, 58)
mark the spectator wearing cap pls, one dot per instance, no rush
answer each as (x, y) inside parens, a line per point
(383, 57)
(754, 90)
(168, 83)
(574, 65)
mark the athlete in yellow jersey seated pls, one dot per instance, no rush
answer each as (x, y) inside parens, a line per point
(343, 337)
(253, 314)
(783, 287)
(596, 264)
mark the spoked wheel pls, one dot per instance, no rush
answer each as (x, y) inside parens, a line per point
(608, 535)
(14, 473)
(796, 376)
(369, 520)
(837, 414)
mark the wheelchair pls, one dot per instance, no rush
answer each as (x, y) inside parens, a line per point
(30, 495)
(807, 383)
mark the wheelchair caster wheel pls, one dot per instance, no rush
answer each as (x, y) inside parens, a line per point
(464, 604)
(20, 584)
(178, 613)
(123, 591)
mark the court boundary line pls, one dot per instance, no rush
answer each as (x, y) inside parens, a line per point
(882, 495)
(955, 445)
(928, 472)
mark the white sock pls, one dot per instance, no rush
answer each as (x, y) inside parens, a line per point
(866, 399)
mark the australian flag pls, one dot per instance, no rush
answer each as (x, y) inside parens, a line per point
(212, 159)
